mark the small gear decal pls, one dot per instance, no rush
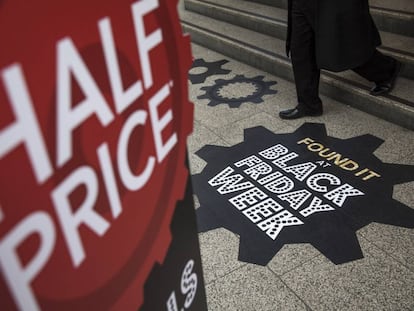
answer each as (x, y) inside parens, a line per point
(210, 69)
(238, 90)
(302, 187)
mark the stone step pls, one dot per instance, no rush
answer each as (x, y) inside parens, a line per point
(395, 16)
(397, 5)
(268, 54)
(394, 5)
(271, 20)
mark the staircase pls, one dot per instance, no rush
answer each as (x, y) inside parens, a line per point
(254, 31)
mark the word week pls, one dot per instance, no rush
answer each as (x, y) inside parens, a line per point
(270, 184)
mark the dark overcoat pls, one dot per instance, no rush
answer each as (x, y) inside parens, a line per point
(345, 34)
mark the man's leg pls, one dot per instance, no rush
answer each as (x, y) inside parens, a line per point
(305, 70)
(382, 70)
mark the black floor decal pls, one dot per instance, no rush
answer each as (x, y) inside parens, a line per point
(303, 187)
(238, 90)
(210, 69)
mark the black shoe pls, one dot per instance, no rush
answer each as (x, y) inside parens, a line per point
(385, 87)
(299, 112)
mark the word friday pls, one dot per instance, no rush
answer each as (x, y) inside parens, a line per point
(272, 175)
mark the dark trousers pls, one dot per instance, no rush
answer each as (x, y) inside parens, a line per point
(306, 72)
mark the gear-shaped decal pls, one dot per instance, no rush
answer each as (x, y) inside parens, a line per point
(211, 68)
(238, 90)
(303, 187)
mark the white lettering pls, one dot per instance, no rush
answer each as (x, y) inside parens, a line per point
(274, 152)
(258, 170)
(339, 195)
(274, 225)
(25, 130)
(229, 183)
(68, 118)
(147, 43)
(71, 220)
(109, 180)
(295, 198)
(301, 171)
(316, 207)
(131, 181)
(249, 161)
(16, 275)
(159, 124)
(280, 185)
(281, 162)
(269, 178)
(251, 196)
(312, 181)
(262, 210)
(122, 98)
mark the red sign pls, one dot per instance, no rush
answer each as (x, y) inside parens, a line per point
(94, 116)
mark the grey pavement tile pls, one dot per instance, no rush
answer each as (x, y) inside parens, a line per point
(292, 256)
(196, 163)
(396, 241)
(398, 147)
(219, 250)
(201, 52)
(376, 282)
(252, 288)
(200, 137)
(196, 202)
(234, 133)
(221, 115)
(211, 295)
(208, 55)
(343, 121)
(404, 193)
(235, 67)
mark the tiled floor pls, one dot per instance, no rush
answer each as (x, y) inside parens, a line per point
(299, 277)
